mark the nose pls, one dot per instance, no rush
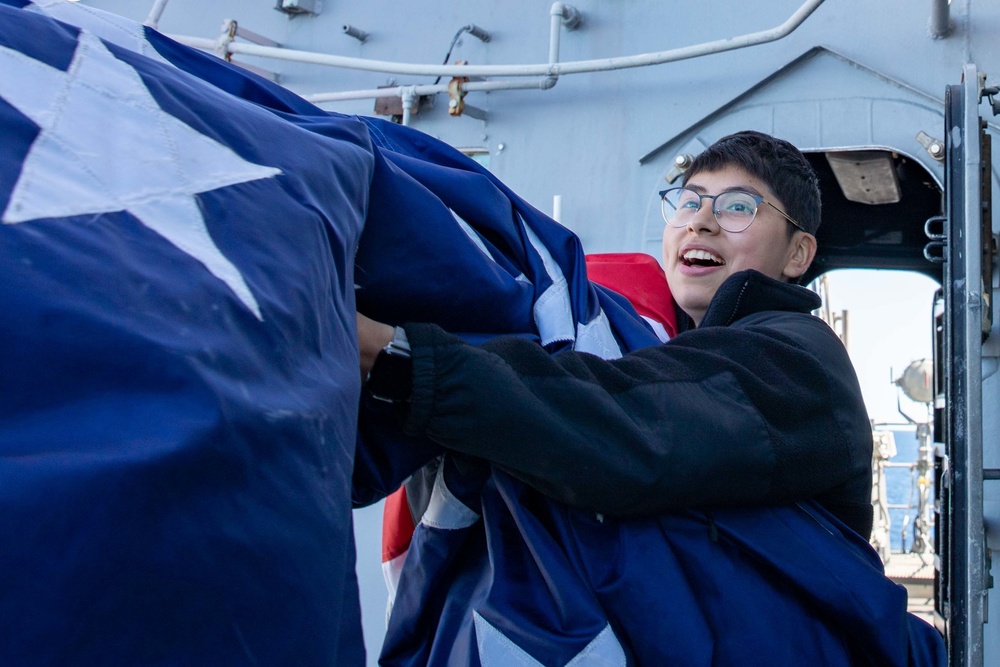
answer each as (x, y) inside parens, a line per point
(704, 219)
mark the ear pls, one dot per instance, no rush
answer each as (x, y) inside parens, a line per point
(801, 251)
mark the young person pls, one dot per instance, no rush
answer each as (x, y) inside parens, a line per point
(756, 404)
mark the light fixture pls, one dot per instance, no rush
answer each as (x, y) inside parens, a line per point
(866, 177)
(298, 7)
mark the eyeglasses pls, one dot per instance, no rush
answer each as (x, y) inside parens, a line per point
(735, 210)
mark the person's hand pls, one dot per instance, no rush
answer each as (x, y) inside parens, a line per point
(372, 337)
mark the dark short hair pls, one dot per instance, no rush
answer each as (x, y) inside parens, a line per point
(779, 164)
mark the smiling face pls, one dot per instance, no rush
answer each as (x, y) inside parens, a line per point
(699, 257)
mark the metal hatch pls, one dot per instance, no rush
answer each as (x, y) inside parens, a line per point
(967, 323)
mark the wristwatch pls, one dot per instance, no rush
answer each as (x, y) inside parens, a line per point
(391, 376)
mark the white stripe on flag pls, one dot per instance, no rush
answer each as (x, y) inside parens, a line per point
(392, 570)
(595, 337)
(553, 310)
(444, 510)
(497, 650)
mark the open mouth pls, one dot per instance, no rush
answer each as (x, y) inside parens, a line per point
(699, 257)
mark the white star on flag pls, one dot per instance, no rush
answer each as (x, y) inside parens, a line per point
(119, 30)
(496, 650)
(92, 158)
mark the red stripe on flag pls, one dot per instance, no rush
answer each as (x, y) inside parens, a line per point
(397, 525)
(639, 278)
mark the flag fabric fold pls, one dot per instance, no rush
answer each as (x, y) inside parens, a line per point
(445, 241)
(537, 583)
(517, 585)
(178, 379)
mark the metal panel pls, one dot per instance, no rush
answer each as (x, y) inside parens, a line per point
(964, 337)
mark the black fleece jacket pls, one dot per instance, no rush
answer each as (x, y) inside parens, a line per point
(758, 405)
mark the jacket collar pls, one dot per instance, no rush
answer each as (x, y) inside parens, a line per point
(749, 292)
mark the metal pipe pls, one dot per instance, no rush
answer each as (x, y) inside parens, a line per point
(940, 25)
(481, 34)
(356, 33)
(686, 52)
(229, 28)
(202, 43)
(408, 96)
(561, 15)
(153, 19)
(555, 31)
(554, 69)
(557, 14)
(429, 89)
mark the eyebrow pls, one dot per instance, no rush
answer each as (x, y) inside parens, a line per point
(741, 188)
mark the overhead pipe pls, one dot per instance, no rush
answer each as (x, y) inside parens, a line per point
(940, 25)
(203, 43)
(684, 53)
(547, 69)
(428, 89)
(155, 12)
(561, 16)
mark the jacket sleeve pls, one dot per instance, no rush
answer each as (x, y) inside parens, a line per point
(717, 416)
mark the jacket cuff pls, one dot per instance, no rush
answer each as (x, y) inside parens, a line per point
(425, 339)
